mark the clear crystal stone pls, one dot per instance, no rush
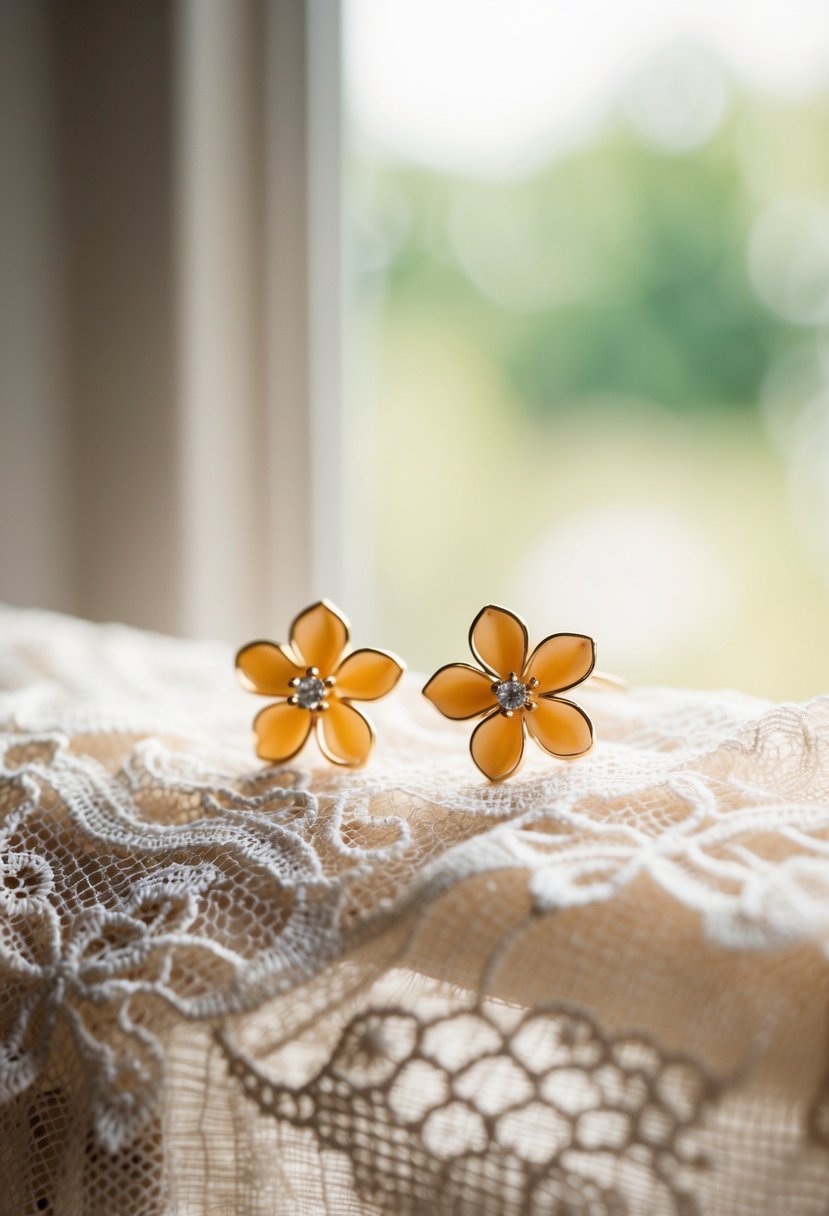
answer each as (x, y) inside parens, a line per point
(309, 692)
(511, 694)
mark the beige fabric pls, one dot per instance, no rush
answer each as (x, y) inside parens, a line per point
(600, 988)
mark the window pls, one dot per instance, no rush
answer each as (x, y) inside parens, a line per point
(590, 287)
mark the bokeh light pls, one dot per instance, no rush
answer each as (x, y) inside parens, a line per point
(590, 251)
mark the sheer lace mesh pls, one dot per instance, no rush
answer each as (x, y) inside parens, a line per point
(600, 988)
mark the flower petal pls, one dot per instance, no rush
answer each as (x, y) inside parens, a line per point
(267, 668)
(561, 661)
(281, 731)
(368, 674)
(497, 745)
(345, 736)
(560, 727)
(498, 639)
(320, 635)
(460, 691)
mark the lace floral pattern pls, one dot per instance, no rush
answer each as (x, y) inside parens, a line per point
(158, 935)
(233, 989)
(516, 1118)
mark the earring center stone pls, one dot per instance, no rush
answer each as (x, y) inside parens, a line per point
(310, 692)
(511, 693)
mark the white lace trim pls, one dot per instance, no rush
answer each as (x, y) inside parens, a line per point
(152, 876)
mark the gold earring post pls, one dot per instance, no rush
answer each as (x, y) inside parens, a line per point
(607, 681)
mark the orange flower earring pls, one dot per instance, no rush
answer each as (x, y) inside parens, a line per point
(514, 695)
(318, 686)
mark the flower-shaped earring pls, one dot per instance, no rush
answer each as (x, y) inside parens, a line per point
(514, 693)
(318, 685)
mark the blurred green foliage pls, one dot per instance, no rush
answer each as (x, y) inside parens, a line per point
(616, 272)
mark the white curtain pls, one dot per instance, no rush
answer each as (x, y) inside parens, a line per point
(169, 309)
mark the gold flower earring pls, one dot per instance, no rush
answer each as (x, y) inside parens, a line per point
(318, 686)
(513, 694)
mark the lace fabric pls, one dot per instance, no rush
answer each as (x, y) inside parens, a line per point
(228, 989)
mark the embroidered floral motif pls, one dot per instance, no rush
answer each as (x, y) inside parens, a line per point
(522, 1118)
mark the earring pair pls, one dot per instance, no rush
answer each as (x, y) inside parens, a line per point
(513, 692)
